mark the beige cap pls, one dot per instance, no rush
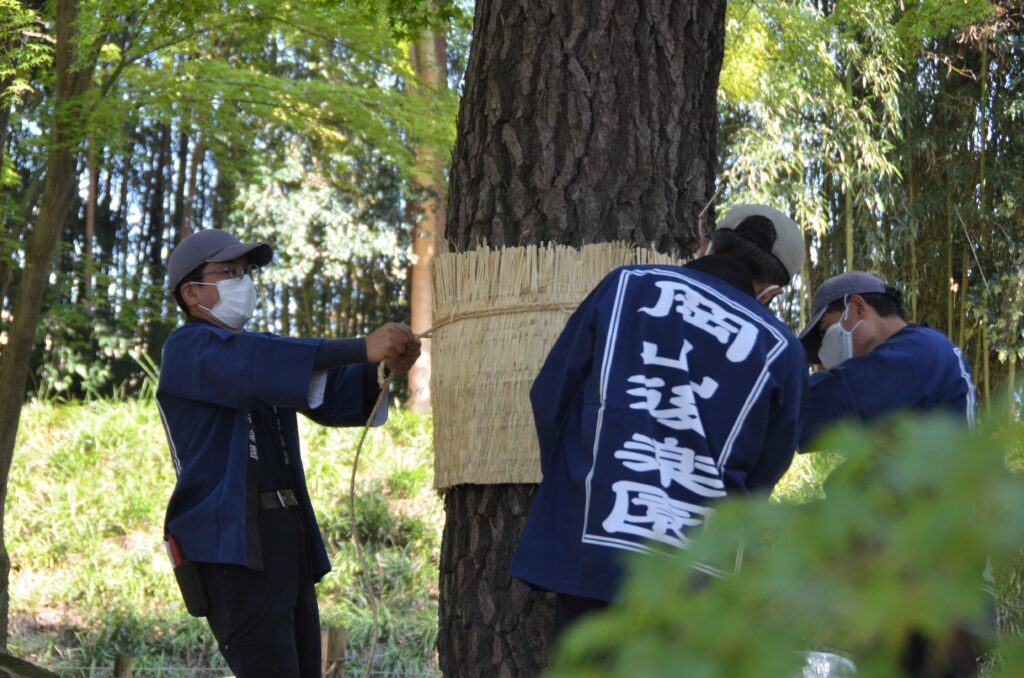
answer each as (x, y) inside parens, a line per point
(786, 243)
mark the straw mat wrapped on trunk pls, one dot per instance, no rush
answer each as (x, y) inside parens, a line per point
(496, 315)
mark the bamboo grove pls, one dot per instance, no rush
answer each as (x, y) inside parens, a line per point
(889, 128)
(891, 131)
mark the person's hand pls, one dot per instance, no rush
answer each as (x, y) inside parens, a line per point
(388, 342)
(404, 362)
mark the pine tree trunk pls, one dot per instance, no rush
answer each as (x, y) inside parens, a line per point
(58, 197)
(581, 122)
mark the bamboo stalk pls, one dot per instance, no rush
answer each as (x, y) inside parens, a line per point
(986, 370)
(914, 274)
(963, 297)
(949, 269)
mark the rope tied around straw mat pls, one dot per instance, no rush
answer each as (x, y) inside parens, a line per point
(493, 312)
(384, 379)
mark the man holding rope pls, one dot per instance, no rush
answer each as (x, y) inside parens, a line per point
(670, 388)
(240, 527)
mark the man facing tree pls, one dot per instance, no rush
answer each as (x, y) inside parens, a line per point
(580, 123)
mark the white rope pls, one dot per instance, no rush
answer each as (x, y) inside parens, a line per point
(384, 379)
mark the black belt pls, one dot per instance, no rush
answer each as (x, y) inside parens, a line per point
(278, 499)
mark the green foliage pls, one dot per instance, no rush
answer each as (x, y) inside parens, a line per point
(300, 123)
(89, 487)
(21, 50)
(889, 130)
(898, 546)
(328, 72)
(325, 229)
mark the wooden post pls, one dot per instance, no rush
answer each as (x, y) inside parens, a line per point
(332, 652)
(123, 666)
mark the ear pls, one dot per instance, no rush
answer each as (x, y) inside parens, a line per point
(704, 242)
(190, 294)
(858, 307)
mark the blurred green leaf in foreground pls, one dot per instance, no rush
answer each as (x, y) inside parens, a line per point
(897, 547)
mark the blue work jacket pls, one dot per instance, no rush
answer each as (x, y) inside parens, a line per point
(917, 368)
(668, 390)
(210, 379)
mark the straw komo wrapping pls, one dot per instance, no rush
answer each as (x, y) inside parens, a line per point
(496, 315)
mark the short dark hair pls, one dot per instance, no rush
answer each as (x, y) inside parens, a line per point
(764, 266)
(192, 276)
(886, 304)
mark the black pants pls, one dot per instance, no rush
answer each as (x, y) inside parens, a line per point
(267, 623)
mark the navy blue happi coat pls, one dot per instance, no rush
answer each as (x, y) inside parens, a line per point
(916, 369)
(668, 390)
(211, 380)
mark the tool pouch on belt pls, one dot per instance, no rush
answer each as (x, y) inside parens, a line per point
(190, 580)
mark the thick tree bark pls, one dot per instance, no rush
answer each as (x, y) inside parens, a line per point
(431, 71)
(489, 619)
(587, 121)
(58, 196)
(582, 121)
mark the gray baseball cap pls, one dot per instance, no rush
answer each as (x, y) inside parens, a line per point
(786, 243)
(212, 245)
(833, 289)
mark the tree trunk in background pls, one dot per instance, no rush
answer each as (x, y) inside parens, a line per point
(90, 222)
(5, 119)
(581, 122)
(5, 259)
(179, 190)
(428, 61)
(157, 208)
(188, 210)
(58, 196)
(848, 190)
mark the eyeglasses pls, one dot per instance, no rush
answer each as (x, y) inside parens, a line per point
(235, 272)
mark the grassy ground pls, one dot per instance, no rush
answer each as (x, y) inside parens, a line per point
(90, 578)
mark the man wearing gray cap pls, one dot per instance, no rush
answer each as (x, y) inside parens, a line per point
(240, 527)
(876, 362)
(670, 388)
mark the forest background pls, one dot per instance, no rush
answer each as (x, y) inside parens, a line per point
(889, 129)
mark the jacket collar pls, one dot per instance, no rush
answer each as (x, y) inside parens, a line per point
(729, 269)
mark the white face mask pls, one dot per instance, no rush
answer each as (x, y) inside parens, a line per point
(237, 301)
(837, 344)
(766, 291)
